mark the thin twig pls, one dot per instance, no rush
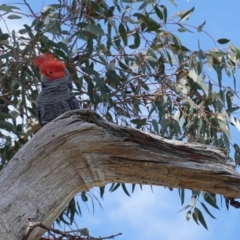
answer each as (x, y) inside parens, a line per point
(30, 9)
(33, 225)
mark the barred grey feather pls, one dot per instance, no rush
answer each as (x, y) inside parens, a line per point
(55, 98)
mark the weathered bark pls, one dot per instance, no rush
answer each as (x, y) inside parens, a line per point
(79, 150)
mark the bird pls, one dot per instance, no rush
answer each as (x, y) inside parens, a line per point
(56, 96)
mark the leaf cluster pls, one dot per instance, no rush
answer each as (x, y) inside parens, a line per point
(126, 65)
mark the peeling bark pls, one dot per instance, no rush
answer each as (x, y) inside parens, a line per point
(79, 150)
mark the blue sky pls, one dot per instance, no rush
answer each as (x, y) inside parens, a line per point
(152, 216)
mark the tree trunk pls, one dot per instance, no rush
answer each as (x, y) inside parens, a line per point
(79, 150)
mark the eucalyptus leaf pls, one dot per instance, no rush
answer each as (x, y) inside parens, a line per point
(96, 29)
(14, 16)
(123, 34)
(223, 40)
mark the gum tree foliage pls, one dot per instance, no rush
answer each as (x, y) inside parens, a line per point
(127, 66)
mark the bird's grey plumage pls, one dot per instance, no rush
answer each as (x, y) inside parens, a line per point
(55, 98)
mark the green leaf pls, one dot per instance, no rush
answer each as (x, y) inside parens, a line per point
(64, 47)
(122, 65)
(158, 12)
(210, 199)
(210, 85)
(82, 24)
(223, 40)
(90, 88)
(200, 27)
(227, 203)
(62, 219)
(155, 126)
(6, 56)
(200, 217)
(143, 5)
(44, 39)
(14, 16)
(182, 195)
(72, 209)
(141, 122)
(113, 77)
(202, 84)
(137, 40)
(102, 189)
(123, 112)
(187, 14)
(4, 115)
(103, 89)
(209, 62)
(7, 126)
(90, 47)
(26, 50)
(218, 68)
(113, 23)
(90, 71)
(125, 189)
(8, 8)
(182, 29)
(133, 187)
(169, 58)
(199, 67)
(55, 6)
(201, 54)
(114, 187)
(123, 34)
(164, 125)
(192, 201)
(176, 126)
(173, 3)
(206, 209)
(195, 216)
(234, 121)
(60, 53)
(164, 13)
(4, 36)
(14, 114)
(224, 127)
(96, 29)
(237, 154)
(188, 215)
(229, 98)
(84, 196)
(84, 232)
(184, 208)
(29, 30)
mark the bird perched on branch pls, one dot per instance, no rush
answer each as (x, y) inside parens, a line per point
(56, 96)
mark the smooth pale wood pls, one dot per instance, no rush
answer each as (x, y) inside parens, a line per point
(79, 150)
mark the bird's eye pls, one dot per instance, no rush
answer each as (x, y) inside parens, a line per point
(50, 72)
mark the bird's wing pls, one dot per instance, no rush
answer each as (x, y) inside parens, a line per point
(73, 103)
(39, 116)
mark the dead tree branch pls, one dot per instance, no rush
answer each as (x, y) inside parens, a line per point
(79, 150)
